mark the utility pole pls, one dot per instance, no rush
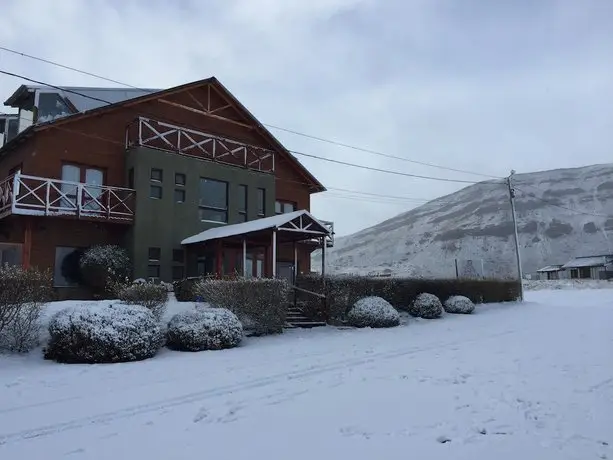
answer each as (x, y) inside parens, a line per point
(517, 253)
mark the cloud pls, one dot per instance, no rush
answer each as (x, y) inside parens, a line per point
(483, 86)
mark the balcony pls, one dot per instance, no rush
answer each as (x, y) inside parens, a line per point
(39, 196)
(145, 132)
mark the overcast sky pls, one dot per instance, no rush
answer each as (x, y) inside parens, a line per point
(478, 85)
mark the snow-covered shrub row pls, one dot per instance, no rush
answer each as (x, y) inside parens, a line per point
(99, 333)
(23, 294)
(459, 304)
(342, 291)
(147, 294)
(204, 329)
(259, 303)
(426, 306)
(373, 312)
(104, 265)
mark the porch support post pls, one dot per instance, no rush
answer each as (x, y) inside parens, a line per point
(295, 263)
(323, 259)
(274, 253)
(244, 257)
(27, 244)
(218, 259)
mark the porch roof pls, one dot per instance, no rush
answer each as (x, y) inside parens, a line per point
(300, 224)
(550, 268)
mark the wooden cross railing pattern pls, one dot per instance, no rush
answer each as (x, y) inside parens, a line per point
(146, 132)
(38, 196)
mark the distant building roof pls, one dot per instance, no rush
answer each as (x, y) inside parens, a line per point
(82, 101)
(590, 261)
(550, 268)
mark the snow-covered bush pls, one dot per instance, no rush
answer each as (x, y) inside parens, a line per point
(184, 289)
(259, 302)
(373, 312)
(23, 293)
(149, 295)
(103, 334)
(459, 304)
(204, 329)
(426, 306)
(102, 266)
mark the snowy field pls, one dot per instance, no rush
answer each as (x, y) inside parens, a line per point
(531, 381)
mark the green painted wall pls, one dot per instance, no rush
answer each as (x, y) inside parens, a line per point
(162, 223)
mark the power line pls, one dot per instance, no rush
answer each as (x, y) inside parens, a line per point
(371, 197)
(344, 163)
(375, 152)
(291, 131)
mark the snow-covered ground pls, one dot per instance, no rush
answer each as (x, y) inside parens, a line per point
(531, 381)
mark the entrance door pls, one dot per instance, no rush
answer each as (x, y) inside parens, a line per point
(285, 270)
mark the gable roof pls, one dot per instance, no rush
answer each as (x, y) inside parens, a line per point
(316, 185)
(254, 226)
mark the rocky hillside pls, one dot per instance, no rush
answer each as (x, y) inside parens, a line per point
(475, 224)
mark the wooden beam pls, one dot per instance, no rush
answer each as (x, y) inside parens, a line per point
(206, 114)
(27, 244)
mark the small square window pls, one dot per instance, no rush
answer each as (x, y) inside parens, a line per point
(154, 254)
(179, 196)
(153, 271)
(177, 256)
(155, 192)
(179, 179)
(157, 175)
(177, 272)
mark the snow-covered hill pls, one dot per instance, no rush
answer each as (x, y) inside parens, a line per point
(475, 224)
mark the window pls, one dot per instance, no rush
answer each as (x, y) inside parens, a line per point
(180, 179)
(154, 254)
(66, 272)
(10, 254)
(213, 201)
(156, 175)
(177, 273)
(155, 192)
(153, 271)
(177, 256)
(261, 202)
(242, 203)
(282, 207)
(51, 106)
(74, 174)
(179, 195)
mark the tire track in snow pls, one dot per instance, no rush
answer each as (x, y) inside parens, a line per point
(197, 396)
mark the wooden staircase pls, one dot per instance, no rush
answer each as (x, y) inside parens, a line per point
(296, 318)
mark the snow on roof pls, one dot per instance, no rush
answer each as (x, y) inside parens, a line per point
(252, 226)
(580, 262)
(550, 268)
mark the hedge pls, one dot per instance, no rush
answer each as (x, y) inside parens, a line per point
(343, 291)
(259, 303)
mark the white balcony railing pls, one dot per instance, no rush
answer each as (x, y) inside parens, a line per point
(153, 134)
(39, 196)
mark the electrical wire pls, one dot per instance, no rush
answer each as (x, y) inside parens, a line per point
(279, 128)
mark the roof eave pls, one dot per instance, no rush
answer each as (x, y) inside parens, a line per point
(18, 94)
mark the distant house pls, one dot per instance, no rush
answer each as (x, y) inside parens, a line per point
(590, 267)
(550, 272)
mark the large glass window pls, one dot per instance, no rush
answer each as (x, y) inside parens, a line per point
(50, 107)
(213, 200)
(261, 202)
(242, 203)
(282, 207)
